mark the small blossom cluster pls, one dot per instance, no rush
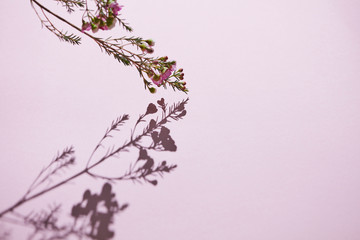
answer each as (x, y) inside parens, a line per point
(159, 71)
(105, 18)
(162, 71)
(146, 46)
(153, 71)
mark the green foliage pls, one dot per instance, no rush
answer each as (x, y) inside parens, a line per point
(71, 38)
(71, 4)
(158, 71)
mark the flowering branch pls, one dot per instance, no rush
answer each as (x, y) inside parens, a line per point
(158, 71)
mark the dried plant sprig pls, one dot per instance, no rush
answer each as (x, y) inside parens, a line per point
(139, 172)
(158, 71)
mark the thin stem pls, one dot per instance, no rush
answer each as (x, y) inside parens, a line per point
(97, 40)
(57, 16)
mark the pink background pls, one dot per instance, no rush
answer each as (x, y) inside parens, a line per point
(270, 146)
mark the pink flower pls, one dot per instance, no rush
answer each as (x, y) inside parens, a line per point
(115, 7)
(102, 24)
(104, 27)
(158, 80)
(166, 74)
(101, 17)
(85, 27)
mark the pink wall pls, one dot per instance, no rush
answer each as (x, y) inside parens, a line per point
(269, 148)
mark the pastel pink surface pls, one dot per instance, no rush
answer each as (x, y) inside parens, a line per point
(269, 148)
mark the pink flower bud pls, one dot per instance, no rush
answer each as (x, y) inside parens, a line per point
(150, 42)
(143, 47)
(149, 50)
(157, 80)
(115, 8)
(85, 27)
(152, 90)
(163, 59)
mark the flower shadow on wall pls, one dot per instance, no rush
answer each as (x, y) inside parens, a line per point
(94, 214)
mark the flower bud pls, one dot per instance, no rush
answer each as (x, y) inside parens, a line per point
(149, 50)
(156, 77)
(110, 22)
(152, 89)
(94, 27)
(164, 59)
(150, 42)
(180, 70)
(150, 74)
(85, 26)
(143, 47)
